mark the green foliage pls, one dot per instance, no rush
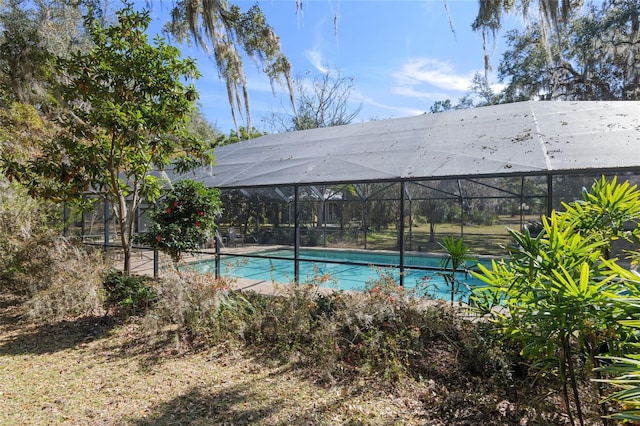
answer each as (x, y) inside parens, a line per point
(216, 312)
(203, 307)
(124, 110)
(586, 59)
(624, 370)
(22, 131)
(185, 220)
(441, 106)
(382, 332)
(223, 29)
(554, 295)
(25, 64)
(456, 258)
(129, 294)
(203, 129)
(609, 212)
(242, 134)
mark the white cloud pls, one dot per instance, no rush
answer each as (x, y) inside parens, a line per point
(315, 58)
(418, 94)
(429, 71)
(395, 111)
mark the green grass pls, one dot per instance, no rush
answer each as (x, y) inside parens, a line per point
(483, 239)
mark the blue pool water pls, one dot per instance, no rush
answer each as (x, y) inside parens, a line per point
(343, 276)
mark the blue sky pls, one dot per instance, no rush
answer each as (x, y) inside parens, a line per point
(402, 55)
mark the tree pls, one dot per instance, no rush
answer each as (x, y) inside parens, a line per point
(454, 261)
(551, 15)
(23, 131)
(483, 91)
(441, 106)
(33, 35)
(240, 135)
(224, 31)
(480, 93)
(186, 220)
(123, 114)
(321, 101)
(203, 128)
(24, 63)
(524, 65)
(594, 57)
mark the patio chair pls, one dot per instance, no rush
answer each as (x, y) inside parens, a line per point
(234, 237)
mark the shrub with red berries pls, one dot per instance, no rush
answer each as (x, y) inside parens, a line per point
(185, 220)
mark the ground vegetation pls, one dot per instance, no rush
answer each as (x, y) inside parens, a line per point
(122, 115)
(188, 348)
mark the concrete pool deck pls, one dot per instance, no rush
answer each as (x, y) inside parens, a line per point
(142, 264)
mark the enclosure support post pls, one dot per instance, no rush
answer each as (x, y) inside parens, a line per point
(217, 241)
(65, 214)
(522, 204)
(296, 232)
(324, 221)
(365, 223)
(461, 208)
(156, 263)
(410, 220)
(82, 217)
(401, 230)
(549, 194)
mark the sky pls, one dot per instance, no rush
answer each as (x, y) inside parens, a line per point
(402, 55)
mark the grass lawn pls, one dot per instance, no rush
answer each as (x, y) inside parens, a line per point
(89, 371)
(95, 371)
(483, 239)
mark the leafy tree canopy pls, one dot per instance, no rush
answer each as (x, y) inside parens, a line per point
(123, 113)
(551, 15)
(225, 31)
(593, 57)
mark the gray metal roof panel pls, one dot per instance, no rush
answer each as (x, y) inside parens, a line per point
(526, 137)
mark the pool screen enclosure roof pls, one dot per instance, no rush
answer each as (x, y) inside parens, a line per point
(526, 138)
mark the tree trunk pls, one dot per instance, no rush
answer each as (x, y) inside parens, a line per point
(124, 219)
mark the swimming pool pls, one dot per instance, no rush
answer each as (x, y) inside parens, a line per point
(278, 266)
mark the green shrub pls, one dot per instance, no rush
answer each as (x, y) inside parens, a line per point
(555, 294)
(383, 331)
(185, 221)
(129, 294)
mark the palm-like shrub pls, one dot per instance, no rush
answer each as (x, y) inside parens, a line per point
(625, 369)
(554, 294)
(455, 260)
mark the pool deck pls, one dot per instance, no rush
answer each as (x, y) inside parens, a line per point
(142, 264)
